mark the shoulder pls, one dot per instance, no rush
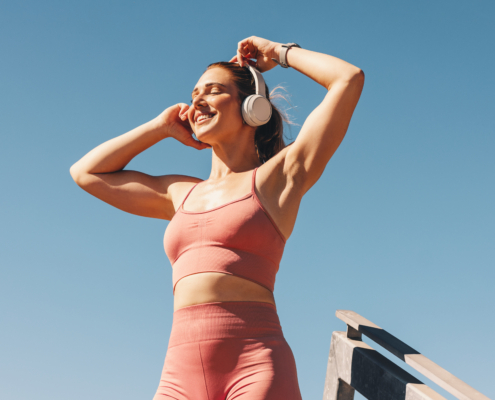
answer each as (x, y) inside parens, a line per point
(175, 187)
(177, 184)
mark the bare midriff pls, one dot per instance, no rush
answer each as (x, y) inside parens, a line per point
(208, 287)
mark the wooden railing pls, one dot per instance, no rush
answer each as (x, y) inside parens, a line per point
(354, 365)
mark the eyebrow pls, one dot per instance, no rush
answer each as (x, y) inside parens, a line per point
(208, 84)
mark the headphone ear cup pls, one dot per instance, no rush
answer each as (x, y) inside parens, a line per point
(256, 110)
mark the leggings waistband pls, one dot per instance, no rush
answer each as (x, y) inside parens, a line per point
(223, 320)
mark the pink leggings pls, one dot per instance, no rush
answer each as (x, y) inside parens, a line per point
(226, 351)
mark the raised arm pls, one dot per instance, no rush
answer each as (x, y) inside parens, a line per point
(326, 126)
(101, 171)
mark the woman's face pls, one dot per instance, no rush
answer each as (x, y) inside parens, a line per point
(215, 97)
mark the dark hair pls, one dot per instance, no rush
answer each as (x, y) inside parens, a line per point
(268, 139)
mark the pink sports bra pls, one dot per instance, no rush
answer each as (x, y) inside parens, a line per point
(237, 238)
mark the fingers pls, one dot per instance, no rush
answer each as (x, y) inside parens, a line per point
(247, 50)
(235, 59)
(205, 146)
(246, 61)
(186, 137)
(243, 51)
(183, 111)
(251, 62)
(183, 107)
(239, 57)
(193, 143)
(197, 144)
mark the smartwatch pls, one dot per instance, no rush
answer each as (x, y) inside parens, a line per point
(283, 54)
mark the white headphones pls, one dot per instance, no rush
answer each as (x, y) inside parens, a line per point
(257, 109)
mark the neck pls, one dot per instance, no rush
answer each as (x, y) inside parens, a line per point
(234, 156)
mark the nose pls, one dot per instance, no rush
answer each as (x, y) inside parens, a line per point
(198, 103)
(199, 100)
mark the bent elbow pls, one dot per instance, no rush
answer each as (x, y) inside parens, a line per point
(355, 81)
(76, 174)
(358, 77)
(361, 75)
(352, 78)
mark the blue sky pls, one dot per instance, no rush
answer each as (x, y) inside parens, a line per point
(400, 228)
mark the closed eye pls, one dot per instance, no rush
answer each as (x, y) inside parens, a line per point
(210, 93)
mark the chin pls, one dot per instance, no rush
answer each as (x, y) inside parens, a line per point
(215, 133)
(204, 137)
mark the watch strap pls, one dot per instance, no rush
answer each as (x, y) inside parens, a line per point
(283, 54)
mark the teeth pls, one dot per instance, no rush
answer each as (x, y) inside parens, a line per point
(205, 116)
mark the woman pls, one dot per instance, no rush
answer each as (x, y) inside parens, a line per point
(228, 233)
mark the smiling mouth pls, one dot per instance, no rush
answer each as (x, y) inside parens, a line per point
(203, 120)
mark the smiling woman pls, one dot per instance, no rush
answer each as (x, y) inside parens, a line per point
(268, 138)
(227, 234)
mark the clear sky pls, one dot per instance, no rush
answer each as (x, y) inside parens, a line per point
(400, 228)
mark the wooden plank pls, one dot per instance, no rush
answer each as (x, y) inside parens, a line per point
(415, 359)
(362, 368)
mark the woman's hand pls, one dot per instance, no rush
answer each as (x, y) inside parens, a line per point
(261, 49)
(175, 122)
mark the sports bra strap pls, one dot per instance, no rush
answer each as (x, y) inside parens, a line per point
(254, 178)
(187, 195)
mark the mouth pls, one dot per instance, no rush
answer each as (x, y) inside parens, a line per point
(204, 118)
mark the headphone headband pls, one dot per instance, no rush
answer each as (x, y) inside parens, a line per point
(258, 80)
(256, 109)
